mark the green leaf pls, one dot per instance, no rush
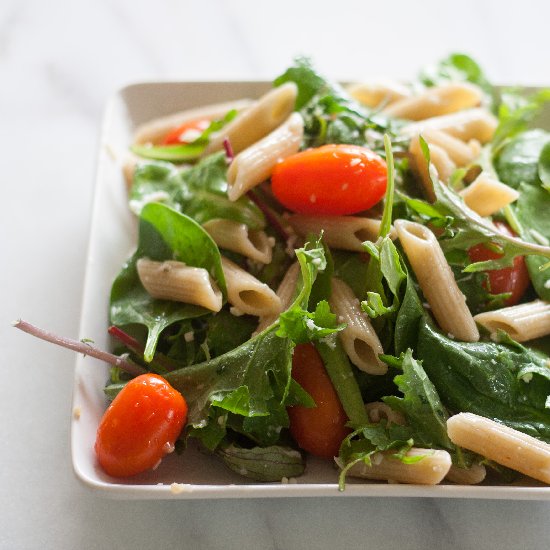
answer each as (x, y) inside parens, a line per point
(544, 166)
(263, 463)
(199, 192)
(164, 234)
(483, 378)
(421, 405)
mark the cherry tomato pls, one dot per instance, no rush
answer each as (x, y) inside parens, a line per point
(514, 279)
(187, 132)
(332, 179)
(318, 430)
(140, 426)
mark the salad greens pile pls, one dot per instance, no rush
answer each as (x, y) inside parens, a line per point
(238, 384)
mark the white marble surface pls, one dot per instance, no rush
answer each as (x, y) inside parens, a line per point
(59, 62)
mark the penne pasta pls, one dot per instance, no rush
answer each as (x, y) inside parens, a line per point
(378, 410)
(155, 131)
(486, 195)
(476, 124)
(286, 292)
(171, 280)
(439, 159)
(500, 443)
(436, 101)
(459, 152)
(237, 237)
(436, 280)
(359, 339)
(522, 322)
(467, 476)
(375, 94)
(258, 120)
(255, 164)
(246, 293)
(429, 470)
(342, 232)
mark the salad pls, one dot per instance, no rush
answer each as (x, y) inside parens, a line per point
(353, 273)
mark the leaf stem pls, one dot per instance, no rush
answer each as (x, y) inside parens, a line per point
(385, 226)
(80, 347)
(268, 213)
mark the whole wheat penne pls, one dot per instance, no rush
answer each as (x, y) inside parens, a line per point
(439, 159)
(342, 232)
(486, 195)
(286, 292)
(155, 131)
(502, 444)
(436, 101)
(248, 294)
(430, 470)
(467, 476)
(437, 281)
(258, 120)
(374, 94)
(522, 322)
(171, 280)
(255, 164)
(476, 124)
(237, 237)
(459, 152)
(359, 339)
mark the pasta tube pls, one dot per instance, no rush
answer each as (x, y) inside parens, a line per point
(154, 132)
(342, 232)
(246, 293)
(430, 470)
(378, 410)
(437, 281)
(255, 164)
(373, 94)
(261, 118)
(459, 152)
(359, 339)
(467, 476)
(237, 237)
(476, 124)
(502, 444)
(436, 101)
(522, 322)
(486, 195)
(171, 280)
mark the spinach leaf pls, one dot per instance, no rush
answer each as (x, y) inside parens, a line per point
(352, 269)
(485, 378)
(518, 160)
(544, 166)
(533, 212)
(164, 234)
(199, 192)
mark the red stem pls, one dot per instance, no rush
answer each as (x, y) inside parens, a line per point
(268, 213)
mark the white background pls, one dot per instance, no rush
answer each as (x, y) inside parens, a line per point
(60, 60)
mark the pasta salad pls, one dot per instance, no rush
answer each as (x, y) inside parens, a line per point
(356, 273)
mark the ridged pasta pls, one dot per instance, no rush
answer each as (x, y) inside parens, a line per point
(437, 281)
(258, 120)
(359, 339)
(522, 322)
(502, 444)
(171, 280)
(237, 237)
(255, 164)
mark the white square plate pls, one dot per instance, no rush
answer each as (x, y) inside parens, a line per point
(113, 237)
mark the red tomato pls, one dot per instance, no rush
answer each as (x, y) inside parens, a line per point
(140, 426)
(333, 179)
(514, 279)
(319, 430)
(187, 132)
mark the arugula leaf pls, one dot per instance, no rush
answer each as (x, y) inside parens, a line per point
(544, 166)
(420, 404)
(532, 202)
(164, 234)
(485, 378)
(518, 160)
(186, 151)
(199, 192)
